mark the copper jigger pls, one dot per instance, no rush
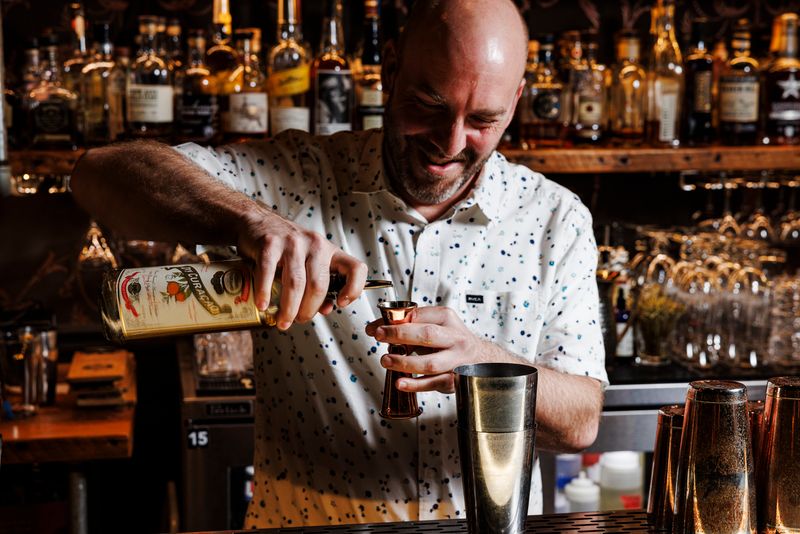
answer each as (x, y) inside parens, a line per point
(397, 404)
(715, 490)
(779, 465)
(661, 500)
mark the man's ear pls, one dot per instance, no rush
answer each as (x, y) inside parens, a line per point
(389, 66)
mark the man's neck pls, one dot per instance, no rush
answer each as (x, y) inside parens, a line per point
(433, 212)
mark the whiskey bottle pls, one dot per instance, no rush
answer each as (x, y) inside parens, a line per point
(332, 79)
(369, 88)
(246, 116)
(173, 48)
(540, 115)
(52, 109)
(197, 111)
(221, 58)
(739, 91)
(698, 105)
(102, 89)
(588, 93)
(782, 86)
(80, 55)
(289, 77)
(149, 90)
(628, 92)
(186, 299)
(665, 79)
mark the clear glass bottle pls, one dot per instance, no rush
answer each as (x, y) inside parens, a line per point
(221, 58)
(628, 97)
(149, 92)
(332, 79)
(52, 109)
(289, 74)
(80, 54)
(102, 89)
(541, 106)
(246, 116)
(782, 86)
(589, 97)
(197, 112)
(698, 104)
(739, 91)
(665, 79)
(369, 88)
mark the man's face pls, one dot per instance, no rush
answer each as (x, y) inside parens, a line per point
(444, 118)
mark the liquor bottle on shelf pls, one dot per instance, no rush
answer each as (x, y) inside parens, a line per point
(665, 79)
(628, 92)
(332, 79)
(161, 37)
(221, 58)
(739, 91)
(149, 93)
(102, 90)
(173, 46)
(622, 315)
(782, 86)
(289, 76)
(32, 67)
(541, 105)
(196, 111)
(255, 43)
(80, 54)
(246, 116)
(51, 108)
(698, 105)
(566, 53)
(587, 89)
(369, 88)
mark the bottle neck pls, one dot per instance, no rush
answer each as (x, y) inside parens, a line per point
(332, 31)
(546, 57)
(289, 21)
(105, 50)
(700, 46)
(197, 52)
(52, 71)
(149, 43)
(173, 45)
(79, 35)
(32, 61)
(223, 23)
(787, 38)
(665, 23)
(372, 42)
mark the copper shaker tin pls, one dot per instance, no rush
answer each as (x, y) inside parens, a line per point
(755, 412)
(397, 404)
(715, 490)
(779, 464)
(661, 500)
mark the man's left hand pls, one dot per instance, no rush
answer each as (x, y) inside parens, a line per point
(440, 342)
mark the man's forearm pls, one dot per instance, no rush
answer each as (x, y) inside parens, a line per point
(147, 190)
(567, 406)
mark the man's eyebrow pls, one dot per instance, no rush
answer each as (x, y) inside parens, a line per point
(489, 112)
(431, 93)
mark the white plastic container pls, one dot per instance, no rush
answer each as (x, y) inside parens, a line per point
(582, 494)
(621, 480)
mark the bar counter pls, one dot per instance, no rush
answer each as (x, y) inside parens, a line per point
(617, 522)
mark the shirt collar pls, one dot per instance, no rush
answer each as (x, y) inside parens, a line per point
(487, 195)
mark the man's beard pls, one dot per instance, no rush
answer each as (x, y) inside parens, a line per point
(424, 187)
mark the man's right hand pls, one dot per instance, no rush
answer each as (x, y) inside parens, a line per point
(305, 260)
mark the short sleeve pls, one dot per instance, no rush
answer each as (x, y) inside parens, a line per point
(572, 340)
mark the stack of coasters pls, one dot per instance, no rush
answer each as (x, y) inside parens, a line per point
(102, 379)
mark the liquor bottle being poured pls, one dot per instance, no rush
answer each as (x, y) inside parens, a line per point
(190, 298)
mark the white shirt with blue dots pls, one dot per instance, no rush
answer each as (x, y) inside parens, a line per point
(520, 247)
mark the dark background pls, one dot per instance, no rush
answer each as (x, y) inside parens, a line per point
(41, 235)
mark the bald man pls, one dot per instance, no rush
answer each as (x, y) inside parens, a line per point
(500, 260)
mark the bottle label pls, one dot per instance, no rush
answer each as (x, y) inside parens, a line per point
(150, 103)
(784, 99)
(702, 92)
(292, 118)
(738, 99)
(547, 105)
(247, 113)
(198, 115)
(334, 96)
(185, 298)
(371, 98)
(666, 93)
(52, 119)
(289, 82)
(372, 121)
(590, 110)
(624, 344)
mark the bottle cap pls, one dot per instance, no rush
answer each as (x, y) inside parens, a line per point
(582, 489)
(620, 470)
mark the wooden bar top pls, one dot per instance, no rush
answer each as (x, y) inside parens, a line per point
(66, 433)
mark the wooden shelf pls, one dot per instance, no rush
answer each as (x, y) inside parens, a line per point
(643, 160)
(547, 161)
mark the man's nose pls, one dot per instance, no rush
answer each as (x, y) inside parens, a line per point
(451, 139)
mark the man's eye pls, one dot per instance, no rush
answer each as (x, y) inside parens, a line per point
(483, 121)
(427, 105)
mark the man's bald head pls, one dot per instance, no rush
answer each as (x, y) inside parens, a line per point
(476, 30)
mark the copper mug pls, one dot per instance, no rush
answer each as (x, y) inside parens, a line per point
(779, 463)
(661, 500)
(397, 404)
(715, 489)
